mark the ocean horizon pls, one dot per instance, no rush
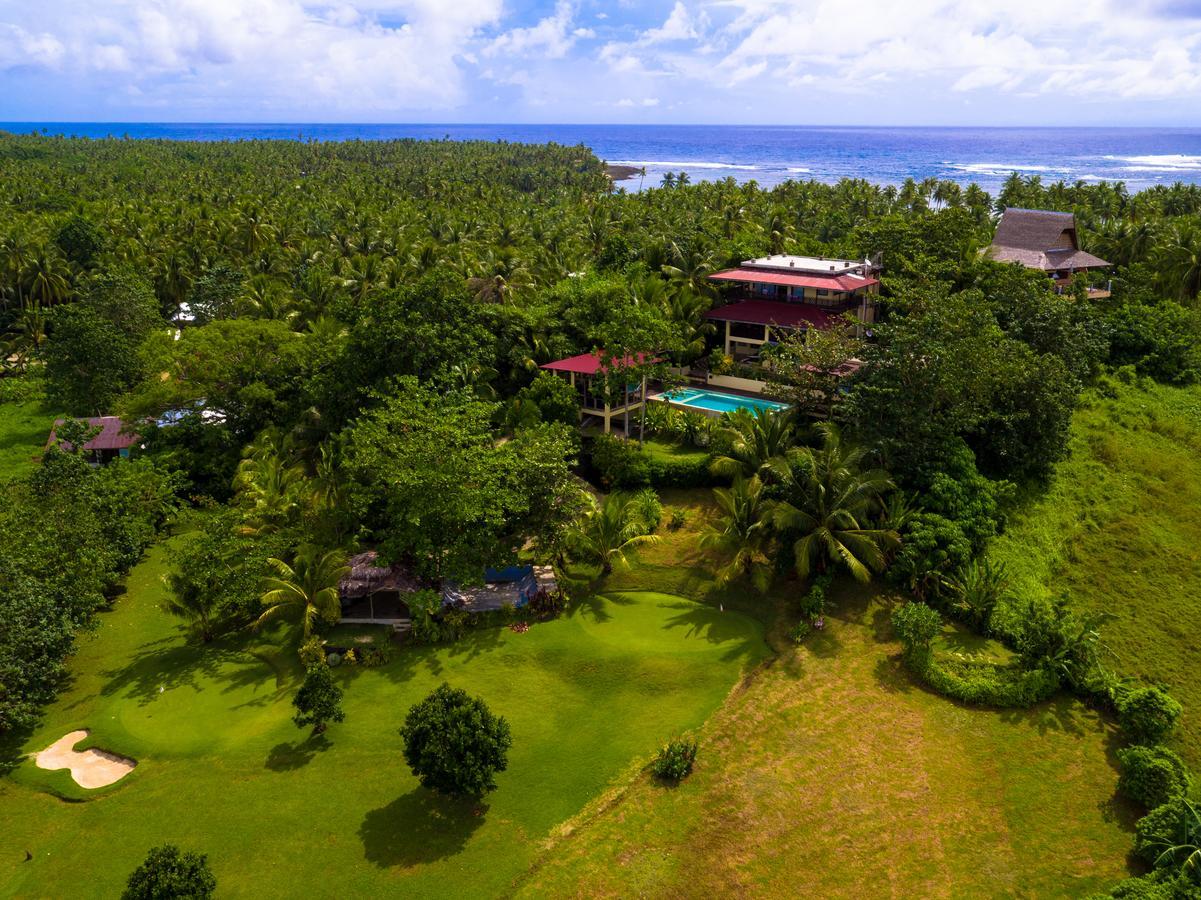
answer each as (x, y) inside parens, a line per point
(1140, 157)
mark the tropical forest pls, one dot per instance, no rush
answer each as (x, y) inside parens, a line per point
(443, 518)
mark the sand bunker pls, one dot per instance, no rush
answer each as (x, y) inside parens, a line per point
(89, 768)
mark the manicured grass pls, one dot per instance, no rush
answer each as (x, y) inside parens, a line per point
(831, 774)
(1119, 530)
(221, 768)
(669, 450)
(24, 428)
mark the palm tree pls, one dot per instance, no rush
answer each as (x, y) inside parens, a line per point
(1181, 261)
(742, 533)
(829, 501)
(760, 442)
(669, 180)
(199, 608)
(269, 484)
(45, 278)
(608, 532)
(308, 587)
(1183, 849)
(976, 590)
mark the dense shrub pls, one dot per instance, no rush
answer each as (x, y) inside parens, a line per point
(547, 604)
(168, 874)
(1152, 775)
(675, 759)
(932, 546)
(1158, 339)
(813, 603)
(619, 463)
(1168, 825)
(548, 398)
(679, 471)
(454, 744)
(916, 625)
(984, 683)
(678, 519)
(14, 389)
(1147, 714)
(646, 511)
(800, 631)
(1157, 885)
(68, 533)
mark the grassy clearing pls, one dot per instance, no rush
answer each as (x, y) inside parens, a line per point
(830, 774)
(24, 428)
(670, 450)
(1119, 530)
(223, 770)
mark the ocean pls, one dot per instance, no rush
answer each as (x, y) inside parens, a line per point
(1140, 157)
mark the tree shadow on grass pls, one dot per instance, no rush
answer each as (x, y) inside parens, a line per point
(420, 827)
(892, 675)
(288, 756)
(593, 606)
(1060, 713)
(824, 643)
(150, 674)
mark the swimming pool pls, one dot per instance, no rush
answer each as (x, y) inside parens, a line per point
(717, 401)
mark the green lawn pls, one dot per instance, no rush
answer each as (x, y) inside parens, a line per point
(826, 771)
(1119, 530)
(671, 450)
(831, 774)
(223, 770)
(24, 428)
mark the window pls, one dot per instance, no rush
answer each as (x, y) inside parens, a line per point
(823, 292)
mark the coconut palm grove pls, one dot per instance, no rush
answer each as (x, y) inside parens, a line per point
(471, 519)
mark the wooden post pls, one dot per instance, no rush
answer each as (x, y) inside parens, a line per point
(642, 414)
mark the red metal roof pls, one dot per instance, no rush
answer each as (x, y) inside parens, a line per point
(789, 279)
(591, 363)
(111, 437)
(773, 312)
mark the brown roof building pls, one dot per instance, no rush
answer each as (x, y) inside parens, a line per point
(1045, 240)
(112, 440)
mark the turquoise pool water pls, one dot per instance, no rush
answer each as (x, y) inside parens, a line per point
(716, 401)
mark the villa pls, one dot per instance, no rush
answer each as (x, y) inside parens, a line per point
(590, 373)
(778, 294)
(1045, 240)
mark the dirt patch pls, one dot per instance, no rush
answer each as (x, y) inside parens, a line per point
(90, 768)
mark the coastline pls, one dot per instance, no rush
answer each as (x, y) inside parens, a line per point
(621, 173)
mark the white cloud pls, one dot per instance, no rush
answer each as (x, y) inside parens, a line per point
(551, 38)
(376, 54)
(678, 27)
(19, 47)
(1086, 48)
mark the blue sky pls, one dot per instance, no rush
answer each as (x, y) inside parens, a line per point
(888, 62)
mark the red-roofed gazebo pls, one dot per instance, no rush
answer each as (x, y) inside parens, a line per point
(590, 374)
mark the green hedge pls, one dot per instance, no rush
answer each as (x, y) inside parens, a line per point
(681, 472)
(983, 683)
(619, 464)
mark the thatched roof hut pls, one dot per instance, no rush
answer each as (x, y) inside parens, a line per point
(367, 578)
